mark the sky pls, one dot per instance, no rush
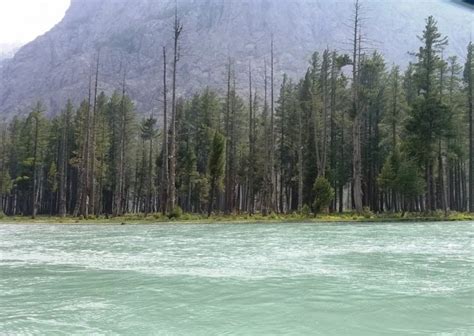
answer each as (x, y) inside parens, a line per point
(21, 21)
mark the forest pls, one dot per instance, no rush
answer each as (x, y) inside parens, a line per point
(354, 134)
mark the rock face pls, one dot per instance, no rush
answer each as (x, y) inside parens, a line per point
(131, 33)
(8, 50)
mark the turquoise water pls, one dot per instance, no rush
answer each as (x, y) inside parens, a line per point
(238, 279)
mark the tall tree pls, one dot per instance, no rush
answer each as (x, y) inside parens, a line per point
(122, 136)
(468, 77)
(251, 135)
(148, 133)
(5, 180)
(64, 158)
(165, 160)
(355, 113)
(267, 175)
(36, 122)
(229, 188)
(92, 150)
(429, 117)
(322, 113)
(273, 184)
(216, 167)
(178, 28)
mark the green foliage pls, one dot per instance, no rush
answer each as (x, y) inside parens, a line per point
(430, 119)
(413, 124)
(52, 177)
(409, 181)
(147, 128)
(401, 175)
(217, 159)
(387, 178)
(6, 183)
(175, 213)
(305, 210)
(324, 194)
(201, 191)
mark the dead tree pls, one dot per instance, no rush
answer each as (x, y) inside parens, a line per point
(165, 158)
(356, 117)
(178, 28)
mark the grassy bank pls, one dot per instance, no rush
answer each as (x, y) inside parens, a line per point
(243, 218)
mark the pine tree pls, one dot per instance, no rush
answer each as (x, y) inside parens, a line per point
(216, 167)
(429, 117)
(36, 123)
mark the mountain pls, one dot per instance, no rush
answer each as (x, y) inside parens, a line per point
(7, 50)
(131, 33)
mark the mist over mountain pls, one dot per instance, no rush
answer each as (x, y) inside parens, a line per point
(8, 50)
(131, 33)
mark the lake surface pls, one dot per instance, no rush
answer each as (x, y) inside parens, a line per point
(242, 279)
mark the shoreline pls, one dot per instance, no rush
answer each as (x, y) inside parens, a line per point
(239, 219)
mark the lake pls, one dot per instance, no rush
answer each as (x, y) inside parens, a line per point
(238, 279)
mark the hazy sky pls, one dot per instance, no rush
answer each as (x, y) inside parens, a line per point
(23, 20)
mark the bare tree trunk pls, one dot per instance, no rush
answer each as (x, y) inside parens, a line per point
(282, 146)
(63, 161)
(164, 169)
(85, 182)
(92, 182)
(470, 95)
(233, 149)
(251, 167)
(332, 127)
(3, 166)
(342, 157)
(148, 207)
(172, 195)
(228, 168)
(300, 159)
(272, 135)
(326, 101)
(471, 149)
(119, 179)
(267, 173)
(356, 151)
(100, 198)
(35, 169)
(441, 181)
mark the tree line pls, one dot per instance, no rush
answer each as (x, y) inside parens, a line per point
(354, 133)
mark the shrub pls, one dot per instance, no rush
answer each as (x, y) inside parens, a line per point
(305, 211)
(324, 194)
(273, 215)
(367, 213)
(176, 213)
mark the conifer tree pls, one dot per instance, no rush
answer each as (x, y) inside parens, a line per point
(216, 167)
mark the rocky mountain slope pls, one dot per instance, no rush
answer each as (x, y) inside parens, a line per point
(8, 50)
(131, 34)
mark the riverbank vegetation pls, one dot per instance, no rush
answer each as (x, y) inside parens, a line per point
(353, 134)
(193, 218)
